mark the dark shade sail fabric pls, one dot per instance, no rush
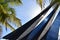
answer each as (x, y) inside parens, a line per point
(39, 28)
(37, 31)
(54, 30)
(15, 34)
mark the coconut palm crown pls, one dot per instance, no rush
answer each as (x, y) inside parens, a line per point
(7, 14)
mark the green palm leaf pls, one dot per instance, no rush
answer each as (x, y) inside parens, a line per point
(8, 26)
(42, 2)
(8, 14)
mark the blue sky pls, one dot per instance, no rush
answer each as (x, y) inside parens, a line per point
(28, 10)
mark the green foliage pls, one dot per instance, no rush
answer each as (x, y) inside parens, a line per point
(42, 2)
(8, 14)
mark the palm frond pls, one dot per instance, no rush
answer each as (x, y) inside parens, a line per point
(10, 1)
(15, 2)
(7, 25)
(7, 13)
(40, 2)
(11, 11)
(15, 20)
(2, 8)
(2, 1)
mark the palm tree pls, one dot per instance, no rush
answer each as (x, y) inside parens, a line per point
(7, 14)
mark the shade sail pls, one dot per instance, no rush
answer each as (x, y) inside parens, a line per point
(39, 28)
(54, 30)
(15, 34)
(31, 24)
(37, 31)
